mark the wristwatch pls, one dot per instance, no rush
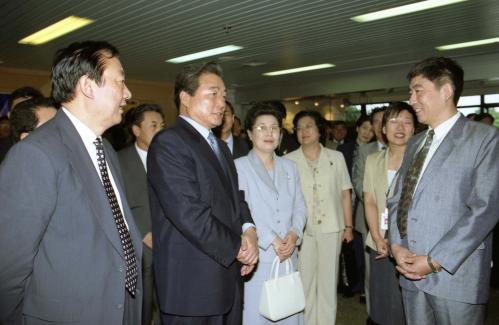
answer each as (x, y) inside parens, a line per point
(433, 268)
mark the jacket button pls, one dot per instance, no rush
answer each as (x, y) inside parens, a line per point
(319, 222)
(119, 306)
(120, 269)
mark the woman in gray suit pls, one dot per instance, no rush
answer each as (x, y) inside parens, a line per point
(272, 189)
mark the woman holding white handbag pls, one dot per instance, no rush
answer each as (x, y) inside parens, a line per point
(272, 190)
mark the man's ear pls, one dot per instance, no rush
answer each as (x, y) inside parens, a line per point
(447, 91)
(85, 85)
(185, 99)
(136, 130)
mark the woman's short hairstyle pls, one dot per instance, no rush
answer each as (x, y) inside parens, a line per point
(320, 122)
(393, 110)
(259, 109)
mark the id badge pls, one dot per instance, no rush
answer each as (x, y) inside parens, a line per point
(384, 220)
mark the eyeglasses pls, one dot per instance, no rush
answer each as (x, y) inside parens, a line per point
(263, 129)
(306, 127)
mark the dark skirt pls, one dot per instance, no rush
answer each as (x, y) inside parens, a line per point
(385, 292)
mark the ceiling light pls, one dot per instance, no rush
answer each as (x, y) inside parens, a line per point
(316, 104)
(468, 44)
(296, 70)
(402, 10)
(56, 30)
(297, 102)
(204, 54)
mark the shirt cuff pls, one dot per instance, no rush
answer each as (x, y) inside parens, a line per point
(248, 225)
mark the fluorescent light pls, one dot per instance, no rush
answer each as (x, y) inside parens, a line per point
(402, 10)
(295, 70)
(468, 44)
(56, 30)
(204, 54)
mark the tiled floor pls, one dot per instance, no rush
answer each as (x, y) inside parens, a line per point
(351, 312)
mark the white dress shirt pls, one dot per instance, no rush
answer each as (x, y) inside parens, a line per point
(440, 132)
(142, 154)
(88, 137)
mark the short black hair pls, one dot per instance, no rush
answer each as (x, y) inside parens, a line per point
(339, 122)
(22, 93)
(135, 115)
(362, 119)
(320, 122)
(24, 118)
(483, 116)
(440, 70)
(376, 111)
(77, 60)
(259, 109)
(393, 110)
(188, 78)
(279, 106)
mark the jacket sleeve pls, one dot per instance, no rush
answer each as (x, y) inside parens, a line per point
(28, 184)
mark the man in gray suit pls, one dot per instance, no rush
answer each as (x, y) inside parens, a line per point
(143, 122)
(444, 203)
(71, 252)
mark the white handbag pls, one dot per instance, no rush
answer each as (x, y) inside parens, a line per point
(282, 296)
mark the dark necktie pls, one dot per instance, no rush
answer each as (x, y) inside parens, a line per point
(410, 181)
(126, 240)
(216, 149)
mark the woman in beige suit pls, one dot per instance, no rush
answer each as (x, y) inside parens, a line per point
(326, 186)
(381, 167)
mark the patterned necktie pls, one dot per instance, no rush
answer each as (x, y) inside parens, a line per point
(410, 181)
(126, 240)
(216, 149)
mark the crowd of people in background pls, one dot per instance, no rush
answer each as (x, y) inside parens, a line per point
(183, 224)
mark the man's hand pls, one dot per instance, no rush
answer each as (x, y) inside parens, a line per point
(405, 261)
(288, 246)
(419, 268)
(147, 240)
(248, 252)
(246, 269)
(382, 248)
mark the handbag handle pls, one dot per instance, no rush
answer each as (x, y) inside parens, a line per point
(275, 267)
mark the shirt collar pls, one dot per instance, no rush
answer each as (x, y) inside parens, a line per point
(142, 155)
(201, 129)
(87, 135)
(444, 128)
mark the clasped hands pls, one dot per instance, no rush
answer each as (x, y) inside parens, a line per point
(410, 265)
(285, 247)
(248, 252)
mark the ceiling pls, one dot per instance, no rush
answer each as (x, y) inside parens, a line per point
(280, 34)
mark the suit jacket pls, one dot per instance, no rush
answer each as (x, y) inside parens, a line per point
(453, 211)
(277, 206)
(197, 216)
(358, 169)
(240, 147)
(376, 183)
(135, 180)
(332, 180)
(348, 151)
(61, 258)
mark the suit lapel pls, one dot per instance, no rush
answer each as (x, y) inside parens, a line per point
(90, 181)
(261, 171)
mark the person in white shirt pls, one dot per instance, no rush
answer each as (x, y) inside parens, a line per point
(143, 122)
(71, 252)
(443, 205)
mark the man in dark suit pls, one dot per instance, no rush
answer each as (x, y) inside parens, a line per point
(237, 146)
(143, 122)
(444, 203)
(70, 249)
(202, 228)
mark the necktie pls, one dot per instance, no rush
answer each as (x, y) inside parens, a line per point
(410, 181)
(216, 150)
(126, 240)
